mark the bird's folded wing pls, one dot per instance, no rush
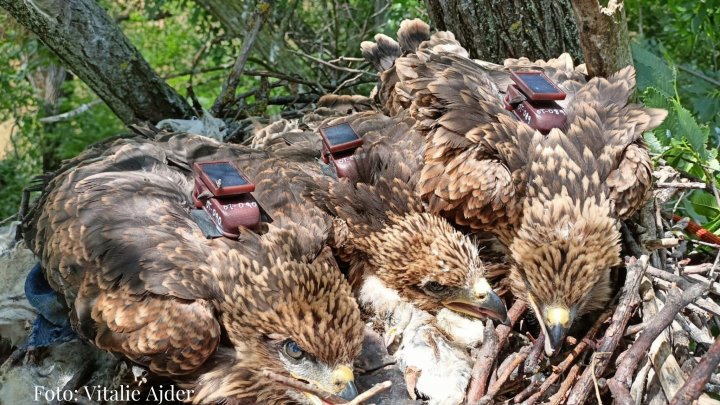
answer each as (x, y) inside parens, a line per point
(608, 130)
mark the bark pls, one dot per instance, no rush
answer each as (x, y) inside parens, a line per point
(494, 30)
(92, 46)
(603, 36)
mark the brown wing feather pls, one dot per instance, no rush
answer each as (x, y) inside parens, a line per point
(108, 236)
(477, 155)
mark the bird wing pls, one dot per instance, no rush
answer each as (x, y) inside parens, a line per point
(115, 237)
(475, 150)
(606, 132)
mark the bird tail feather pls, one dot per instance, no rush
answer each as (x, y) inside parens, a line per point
(381, 53)
(412, 33)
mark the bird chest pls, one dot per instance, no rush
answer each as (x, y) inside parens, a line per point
(532, 99)
(223, 200)
(338, 146)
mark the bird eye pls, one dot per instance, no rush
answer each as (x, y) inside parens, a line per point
(293, 350)
(435, 287)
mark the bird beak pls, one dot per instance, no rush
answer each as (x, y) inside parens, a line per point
(350, 391)
(555, 329)
(479, 302)
(342, 384)
(343, 377)
(554, 339)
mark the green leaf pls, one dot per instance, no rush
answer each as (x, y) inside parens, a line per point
(653, 71)
(653, 143)
(704, 204)
(696, 136)
(713, 225)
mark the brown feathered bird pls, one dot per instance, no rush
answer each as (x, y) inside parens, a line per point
(413, 273)
(114, 233)
(388, 234)
(555, 200)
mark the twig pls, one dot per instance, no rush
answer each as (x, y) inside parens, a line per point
(570, 358)
(559, 397)
(536, 354)
(594, 377)
(527, 392)
(626, 307)
(681, 281)
(699, 75)
(699, 269)
(482, 368)
(70, 114)
(506, 373)
(702, 304)
(484, 362)
(634, 329)
(371, 392)
(336, 67)
(662, 320)
(683, 185)
(346, 59)
(698, 335)
(664, 243)
(227, 95)
(699, 377)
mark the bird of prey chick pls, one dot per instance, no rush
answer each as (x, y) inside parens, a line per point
(115, 236)
(555, 201)
(414, 274)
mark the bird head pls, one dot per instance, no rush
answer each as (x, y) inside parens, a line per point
(432, 265)
(563, 254)
(297, 320)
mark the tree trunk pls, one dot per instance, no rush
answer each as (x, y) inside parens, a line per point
(494, 30)
(603, 36)
(94, 48)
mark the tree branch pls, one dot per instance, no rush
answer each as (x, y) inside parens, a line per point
(662, 320)
(70, 114)
(227, 95)
(603, 36)
(700, 376)
(629, 300)
(93, 47)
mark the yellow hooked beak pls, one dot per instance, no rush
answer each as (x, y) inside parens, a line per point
(342, 384)
(479, 302)
(557, 323)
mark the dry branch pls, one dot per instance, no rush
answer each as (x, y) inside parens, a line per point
(700, 376)
(227, 95)
(662, 320)
(569, 359)
(324, 395)
(484, 362)
(626, 307)
(505, 375)
(483, 365)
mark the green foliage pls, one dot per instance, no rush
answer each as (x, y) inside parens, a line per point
(178, 37)
(684, 140)
(676, 52)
